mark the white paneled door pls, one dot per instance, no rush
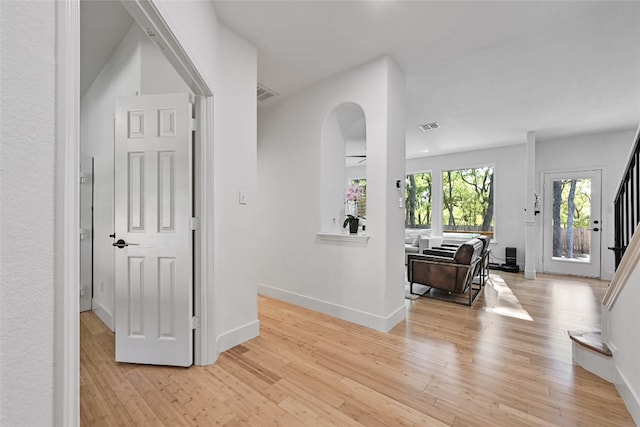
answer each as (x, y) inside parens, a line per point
(153, 237)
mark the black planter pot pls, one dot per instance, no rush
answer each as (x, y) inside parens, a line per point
(353, 226)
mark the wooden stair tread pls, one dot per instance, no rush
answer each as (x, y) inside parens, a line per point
(591, 340)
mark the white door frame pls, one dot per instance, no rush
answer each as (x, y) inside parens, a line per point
(67, 194)
(595, 215)
(67, 216)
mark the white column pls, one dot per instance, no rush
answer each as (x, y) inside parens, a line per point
(394, 169)
(530, 221)
(436, 202)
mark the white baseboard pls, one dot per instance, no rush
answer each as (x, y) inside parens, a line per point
(103, 314)
(237, 336)
(629, 396)
(373, 321)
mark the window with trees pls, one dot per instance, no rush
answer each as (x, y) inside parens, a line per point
(467, 200)
(572, 218)
(362, 202)
(418, 201)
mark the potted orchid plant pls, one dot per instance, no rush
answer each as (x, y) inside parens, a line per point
(351, 197)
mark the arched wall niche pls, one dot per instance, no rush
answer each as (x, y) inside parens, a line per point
(343, 157)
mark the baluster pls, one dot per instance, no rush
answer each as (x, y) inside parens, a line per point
(631, 188)
(636, 157)
(627, 205)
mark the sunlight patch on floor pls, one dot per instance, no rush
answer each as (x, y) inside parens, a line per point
(500, 299)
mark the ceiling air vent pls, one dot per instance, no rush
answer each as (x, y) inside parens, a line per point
(429, 126)
(265, 93)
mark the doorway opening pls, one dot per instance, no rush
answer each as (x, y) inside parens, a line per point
(68, 135)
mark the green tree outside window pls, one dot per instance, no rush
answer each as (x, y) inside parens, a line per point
(418, 200)
(467, 200)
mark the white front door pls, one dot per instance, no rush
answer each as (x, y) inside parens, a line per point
(571, 223)
(153, 210)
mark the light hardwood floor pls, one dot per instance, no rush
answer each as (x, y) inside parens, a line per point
(504, 362)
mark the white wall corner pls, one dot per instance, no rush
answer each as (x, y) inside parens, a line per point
(397, 316)
(103, 314)
(237, 336)
(629, 395)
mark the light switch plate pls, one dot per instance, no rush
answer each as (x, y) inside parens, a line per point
(242, 197)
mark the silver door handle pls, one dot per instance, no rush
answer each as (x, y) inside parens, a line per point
(121, 244)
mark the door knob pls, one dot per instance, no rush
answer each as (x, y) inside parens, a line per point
(121, 244)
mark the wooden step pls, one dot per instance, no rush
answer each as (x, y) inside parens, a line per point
(592, 340)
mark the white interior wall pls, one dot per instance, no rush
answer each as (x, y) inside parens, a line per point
(624, 341)
(229, 66)
(235, 167)
(27, 213)
(158, 75)
(360, 282)
(510, 181)
(606, 151)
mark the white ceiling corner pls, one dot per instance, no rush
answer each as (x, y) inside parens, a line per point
(103, 25)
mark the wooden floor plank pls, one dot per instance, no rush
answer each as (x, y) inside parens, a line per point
(505, 361)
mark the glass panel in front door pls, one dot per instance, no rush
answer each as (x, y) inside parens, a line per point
(571, 220)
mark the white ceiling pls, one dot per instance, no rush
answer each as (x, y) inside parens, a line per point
(488, 72)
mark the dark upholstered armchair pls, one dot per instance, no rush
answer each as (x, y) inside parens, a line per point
(448, 270)
(482, 268)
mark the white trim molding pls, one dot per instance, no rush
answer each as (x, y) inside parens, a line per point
(204, 344)
(67, 294)
(344, 238)
(370, 320)
(238, 335)
(629, 395)
(146, 14)
(626, 267)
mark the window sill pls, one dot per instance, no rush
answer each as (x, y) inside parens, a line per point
(340, 237)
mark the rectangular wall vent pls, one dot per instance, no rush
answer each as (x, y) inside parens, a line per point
(264, 93)
(429, 126)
